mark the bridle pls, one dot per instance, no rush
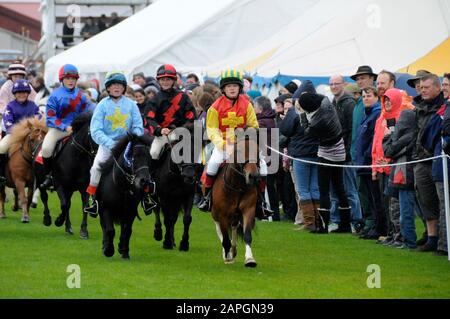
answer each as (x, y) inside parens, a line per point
(91, 151)
(130, 178)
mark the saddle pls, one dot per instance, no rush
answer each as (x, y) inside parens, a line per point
(58, 148)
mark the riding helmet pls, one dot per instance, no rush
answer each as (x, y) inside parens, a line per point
(166, 71)
(231, 77)
(21, 86)
(68, 70)
(115, 77)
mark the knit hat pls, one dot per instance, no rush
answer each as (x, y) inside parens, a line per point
(352, 88)
(151, 88)
(16, 68)
(94, 93)
(306, 87)
(282, 98)
(135, 87)
(293, 86)
(310, 102)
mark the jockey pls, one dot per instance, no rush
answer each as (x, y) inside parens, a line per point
(168, 109)
(15, 111)
(232, 110)
(113, 118)
(63, 105)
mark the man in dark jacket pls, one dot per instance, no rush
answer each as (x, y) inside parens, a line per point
(433, 99)
(344, 105)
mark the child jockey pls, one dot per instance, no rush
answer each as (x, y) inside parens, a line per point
(113, 118)
(15, 111)
(169, 109)
(63, 106)
(230, 111)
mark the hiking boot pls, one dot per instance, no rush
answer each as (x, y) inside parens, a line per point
(440, 253)
(423, 240)
(92, 207)
(427, 247)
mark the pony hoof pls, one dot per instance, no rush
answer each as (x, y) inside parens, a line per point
(69, 231)
(15, 208)
(125, 256)
(108, 252)
(84, 234)
(2, 216)
(157, 234)
(33, 205)
(47, 221)
(184, 246)
(59, 222)
(25, 219)
(167, 245)
(250, 263)
(228, 261)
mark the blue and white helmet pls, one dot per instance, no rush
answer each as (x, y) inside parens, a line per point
(21, 86)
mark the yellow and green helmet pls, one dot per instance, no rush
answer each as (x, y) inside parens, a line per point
(231, 77)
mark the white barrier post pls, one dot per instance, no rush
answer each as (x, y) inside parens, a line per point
(447, 200)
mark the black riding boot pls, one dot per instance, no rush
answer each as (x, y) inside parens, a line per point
(205, 204)
(3, 160)
(48, 166)
(344, 225)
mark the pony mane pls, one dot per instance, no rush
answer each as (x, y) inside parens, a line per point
(81, 120)
(119, 148)
(21, 130)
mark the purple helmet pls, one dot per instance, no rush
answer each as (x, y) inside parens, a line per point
(21, 86)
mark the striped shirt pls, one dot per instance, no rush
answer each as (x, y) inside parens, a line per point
(334, 153)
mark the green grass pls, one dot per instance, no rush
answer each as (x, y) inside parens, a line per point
(291, 264)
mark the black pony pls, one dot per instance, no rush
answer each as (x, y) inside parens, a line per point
(175, 187)
(71, 170)
(124, 182)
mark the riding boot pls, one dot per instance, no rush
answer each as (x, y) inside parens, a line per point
(344, 224)
(308, 210)
(322, 221)
(48, 166)
(92, 206)
(3, 160)
(208, 183)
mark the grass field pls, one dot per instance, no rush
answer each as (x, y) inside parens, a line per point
(291, 264)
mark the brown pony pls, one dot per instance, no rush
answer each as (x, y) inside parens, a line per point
(234, 197)
(26, 136)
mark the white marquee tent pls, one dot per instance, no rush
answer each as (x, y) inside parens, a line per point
(296, 37)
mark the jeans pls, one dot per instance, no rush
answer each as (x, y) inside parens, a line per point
(306, 179)
(352, 192)
(408, 204)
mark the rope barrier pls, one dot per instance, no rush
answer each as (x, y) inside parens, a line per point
(358, 166)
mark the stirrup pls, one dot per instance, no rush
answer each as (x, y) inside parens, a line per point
(92, 209)
(148, 204)
(2, 180)
(205, 205)
(47, 183)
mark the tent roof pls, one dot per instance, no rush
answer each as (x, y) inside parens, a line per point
(304, 37)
